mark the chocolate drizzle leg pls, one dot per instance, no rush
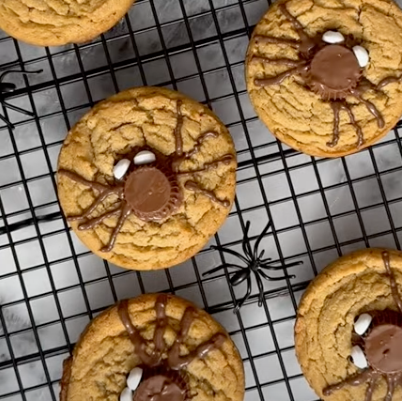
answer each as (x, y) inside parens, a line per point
(394, 286)
(381, 345)
(159, 379)
(124, 213)
(177, 130)
(337, 107)
(193, 186)
(330, 70)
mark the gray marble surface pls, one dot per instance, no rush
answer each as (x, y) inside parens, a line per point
(363, 194)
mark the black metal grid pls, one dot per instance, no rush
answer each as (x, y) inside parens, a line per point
(190, 46)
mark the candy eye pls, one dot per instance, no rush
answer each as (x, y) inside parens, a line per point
(133, 381)
(362, 55)
(121, 168)
(144, 157)
(134, 378)
(358, 357)
(333, 37)
(362, 323)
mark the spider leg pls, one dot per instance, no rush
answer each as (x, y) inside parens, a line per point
(125, 212)
(77, 178)
(18, 72)
(231, 252)
(260, 237)
(246, 243)
(260, 289)
(336, 108)
(394, 287)
(269, 278)
(227, 265)
(270, 267)
(195, 187)
(246, 296)
(366, 375)
(392, 381)
(370, 107)
(96, 220)
(371, 387)
(267, 39)
(103, 195)
(387, 81)
(279, 61)
(9, 125)
(278, 79)
(359, 132)
(18, 109)
(226, 160)
(335, 138)
(177, 130)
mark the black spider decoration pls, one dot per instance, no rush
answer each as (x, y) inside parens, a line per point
(9, 87)
(254, 263)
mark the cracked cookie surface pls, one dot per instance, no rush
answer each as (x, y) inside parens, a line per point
(104, 354)
(134, 119)
(59, 22)
(352, 285)
(295, 114)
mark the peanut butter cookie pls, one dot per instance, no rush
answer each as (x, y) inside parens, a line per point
(326, 76)
(147, 177)
(348, 331)
(154, 347)
(58, 22)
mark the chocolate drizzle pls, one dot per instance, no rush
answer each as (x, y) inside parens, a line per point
(330, 70)
(151, 192)
(193, 186)
(337, 107)
(156, 358)
(381, 345)
(387, 81)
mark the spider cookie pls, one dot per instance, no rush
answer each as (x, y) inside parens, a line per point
(56, 23)
(326, 78)
(147, 177)
(348, 332)
(155, 347)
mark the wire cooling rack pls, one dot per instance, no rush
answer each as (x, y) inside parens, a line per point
(51, 285)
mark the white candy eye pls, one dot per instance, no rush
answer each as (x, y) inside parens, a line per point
(144, 157)
(362, 323)
(134, 378)
(362, 55)
(126, 395)
(120, 169)
(333, 37)
(358, 357)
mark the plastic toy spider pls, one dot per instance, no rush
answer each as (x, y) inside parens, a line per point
(254, 263)
(9, 87)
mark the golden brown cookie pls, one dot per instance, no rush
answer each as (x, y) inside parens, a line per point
(59, 22)
(155, 215)
(348, 331)
(309, 78)
(176, 346)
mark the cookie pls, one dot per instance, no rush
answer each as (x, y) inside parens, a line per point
(56, 23)
(158, 347)
(147, 177)
(326, 77)
(349, 328)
